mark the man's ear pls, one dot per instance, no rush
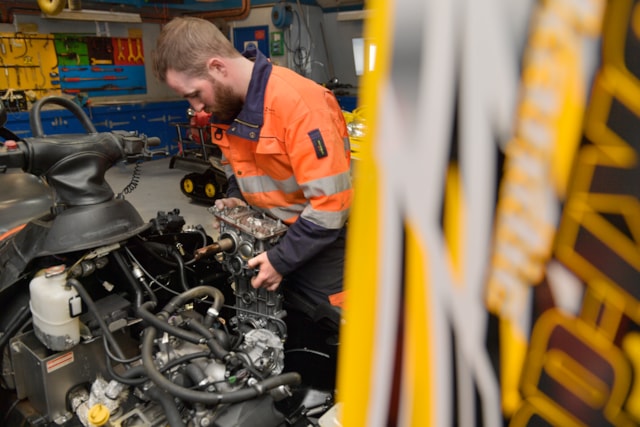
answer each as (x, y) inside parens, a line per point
(217, 67)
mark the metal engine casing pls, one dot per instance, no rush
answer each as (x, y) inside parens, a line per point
(51, 380)
(252, 233)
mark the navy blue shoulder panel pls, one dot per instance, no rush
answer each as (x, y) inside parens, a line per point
(251, 118)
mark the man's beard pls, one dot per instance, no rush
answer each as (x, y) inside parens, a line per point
(227, 104)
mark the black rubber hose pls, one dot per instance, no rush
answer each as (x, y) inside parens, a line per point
(160, 251)
(195, 373)
(147, 288)
(168, 404)
(202, 234)
(130, 277)
(35, 119)
(161, 324)
(211, 342)
(133, 375)
(192, 294)
(94, 311)
(156, 250)
(209, 398)
(181, 267)
(136, 375)
(160, 320)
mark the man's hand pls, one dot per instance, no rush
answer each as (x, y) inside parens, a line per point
(230, 202)
(267, 276)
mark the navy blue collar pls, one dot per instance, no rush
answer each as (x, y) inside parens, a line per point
(251, 118)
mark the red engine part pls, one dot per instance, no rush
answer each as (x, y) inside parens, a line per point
(199, 126)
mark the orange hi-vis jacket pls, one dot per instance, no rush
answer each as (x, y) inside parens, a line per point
(287, 153)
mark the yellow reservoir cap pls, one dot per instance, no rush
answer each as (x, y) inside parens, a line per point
(99, 415)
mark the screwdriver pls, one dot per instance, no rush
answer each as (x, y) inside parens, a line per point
(80, 79)
(107, 70)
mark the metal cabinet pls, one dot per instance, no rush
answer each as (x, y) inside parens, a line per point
(53, 122)
(149, 118)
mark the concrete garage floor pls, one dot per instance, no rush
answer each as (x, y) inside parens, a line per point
(159, 190)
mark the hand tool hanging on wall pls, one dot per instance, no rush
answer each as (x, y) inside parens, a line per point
(107, 69)
(44, 78)
(107, 87)
(15, 42)
(139, 56)
(82, 79)
(6, 71)
(66, 55)
(25, 53)
(121, 50)
(28, 60)
(96, 61)
(131, 57)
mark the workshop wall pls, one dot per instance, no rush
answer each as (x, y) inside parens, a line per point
(325, 47)
(99, 60)
(339, 36)
(107, 61)
(104, 67)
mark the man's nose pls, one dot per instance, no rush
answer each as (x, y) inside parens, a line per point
(197, 106)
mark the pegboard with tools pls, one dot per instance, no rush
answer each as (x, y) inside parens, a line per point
(35, 65)
(24, 63)
(100, 66)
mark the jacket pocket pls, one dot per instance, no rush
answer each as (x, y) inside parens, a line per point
(273, 160)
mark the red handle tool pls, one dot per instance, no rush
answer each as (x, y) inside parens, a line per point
(107, 70)
(81, 79)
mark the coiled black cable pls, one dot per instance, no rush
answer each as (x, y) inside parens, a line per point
(135, 180)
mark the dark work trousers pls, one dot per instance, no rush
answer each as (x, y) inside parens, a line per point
(312, 341)
(322, 276)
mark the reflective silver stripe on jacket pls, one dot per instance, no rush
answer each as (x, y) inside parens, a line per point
(325, 219)
(328, 186)
(265, 184)
(325, 186)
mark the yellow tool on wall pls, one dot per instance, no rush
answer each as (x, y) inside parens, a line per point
(26, 63)
(51, 7)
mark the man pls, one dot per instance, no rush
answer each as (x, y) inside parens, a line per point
(285, 151)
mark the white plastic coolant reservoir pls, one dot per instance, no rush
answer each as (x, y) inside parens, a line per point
(55, 307)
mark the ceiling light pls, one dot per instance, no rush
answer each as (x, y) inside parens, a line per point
(95, 15)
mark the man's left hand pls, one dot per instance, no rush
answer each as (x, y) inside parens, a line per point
(267, 276)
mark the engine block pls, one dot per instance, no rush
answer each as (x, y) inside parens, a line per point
(245, 233)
